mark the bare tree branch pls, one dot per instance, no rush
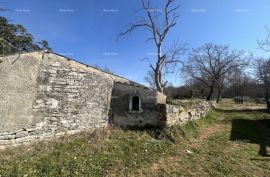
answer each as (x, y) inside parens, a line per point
(210, 63)
(159, 32)
(263, 75)
(133, 27)
(265, 44)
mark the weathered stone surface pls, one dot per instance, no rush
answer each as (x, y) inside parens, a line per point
(5, 142)
(21, 134)
(176, 114)
(7, 137)
(45, 95)
(27, 139)
(152, 106)
(18, 85)
(48, 94)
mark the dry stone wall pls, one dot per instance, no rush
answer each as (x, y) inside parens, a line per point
(154, 110)
(44, 95)
(71, 98)
(65, 98)
(176, 114)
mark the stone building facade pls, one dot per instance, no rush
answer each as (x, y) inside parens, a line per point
(136, 106)
(43, 94)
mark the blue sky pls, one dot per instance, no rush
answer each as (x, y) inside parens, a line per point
(87, 30)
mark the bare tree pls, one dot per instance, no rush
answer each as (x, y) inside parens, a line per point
(220, 85)
(265, 44)
(150, 79)
(239, 81)
(159, 23)
(263, 75)
(263, 68)
(209, 63)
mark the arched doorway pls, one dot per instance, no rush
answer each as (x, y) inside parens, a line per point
(135, 104)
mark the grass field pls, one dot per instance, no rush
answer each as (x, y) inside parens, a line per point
(230, 141)
(228, 104)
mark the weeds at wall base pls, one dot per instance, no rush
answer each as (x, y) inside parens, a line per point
(111, 151)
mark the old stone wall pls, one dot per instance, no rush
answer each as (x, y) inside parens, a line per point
(47, 95)
(176, 114)
(18, 85)
(154, 110)
(152, 106)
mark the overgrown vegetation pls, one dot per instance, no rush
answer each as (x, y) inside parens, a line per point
(113, 152)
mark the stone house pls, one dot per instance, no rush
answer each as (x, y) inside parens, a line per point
(43, 94)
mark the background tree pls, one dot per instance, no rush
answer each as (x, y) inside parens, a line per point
(210, 63)
(15, 38)
(191, 89)
(263, 75)
(44, 45)
(265, 44)
(159, 23)
(263, 68)
(150, 79)
(239, 81)
(220, 86)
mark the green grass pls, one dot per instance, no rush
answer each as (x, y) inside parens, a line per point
(109, 152)
(225, 143)
(222, 150)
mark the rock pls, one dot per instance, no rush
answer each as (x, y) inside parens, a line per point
(181, 109)
(189, 152)
(41, 124)
(5, 142)
(53, 103)
(4, 137)
(56, 64)
(175, 110)
(21, 134)
(25, 139)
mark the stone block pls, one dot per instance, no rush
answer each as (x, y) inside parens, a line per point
(5, 142)
(21, 134)
(4, 137)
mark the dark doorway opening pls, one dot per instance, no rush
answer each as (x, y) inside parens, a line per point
(135, 103)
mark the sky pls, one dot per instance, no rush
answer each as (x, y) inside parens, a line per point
(87, 30)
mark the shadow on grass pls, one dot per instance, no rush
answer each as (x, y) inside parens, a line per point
(252, 131)
(255, 128)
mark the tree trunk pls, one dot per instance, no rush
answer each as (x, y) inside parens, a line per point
(158, 70)
(268, 105)
(267, 99)
(218, 96)
(210, 93)
(157, 79)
